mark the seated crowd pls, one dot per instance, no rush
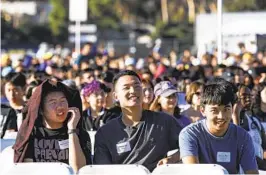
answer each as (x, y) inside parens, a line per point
(138, 118)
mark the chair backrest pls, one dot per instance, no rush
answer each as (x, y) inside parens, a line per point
(10, 135)
(92, 137)
(113, 170)
(183, 169)
(40, 168)
(5, 143)
(6, 159)
(262, 172)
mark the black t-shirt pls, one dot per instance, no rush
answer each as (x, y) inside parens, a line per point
(145, 144)
(51, 145)
(112, 113)
(92, 123)
(8, 119)
(105, 116)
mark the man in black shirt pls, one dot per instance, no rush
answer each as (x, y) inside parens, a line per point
(137, 137)
(14, 91)
(8, 120)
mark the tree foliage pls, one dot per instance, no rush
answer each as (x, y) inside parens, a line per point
(103, 13)
(240, 5)
(125, 15)
(57, 17)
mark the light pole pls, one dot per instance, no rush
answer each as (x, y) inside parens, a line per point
(219, 31)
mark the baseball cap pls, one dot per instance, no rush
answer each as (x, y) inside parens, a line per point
(228, 76)
(165, 89)
(6, 71)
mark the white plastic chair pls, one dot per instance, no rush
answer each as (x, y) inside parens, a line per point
(184, 169)
(262, 172)
(113, 170)
(6, 159)
(5, 143)
(39, 168)
(10, 135)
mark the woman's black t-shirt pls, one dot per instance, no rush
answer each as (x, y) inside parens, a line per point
(51, 145)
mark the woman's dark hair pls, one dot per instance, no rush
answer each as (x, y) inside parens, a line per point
(191, 90)
(250, 84)
(147, 82)
(177, 112)
(256, 105)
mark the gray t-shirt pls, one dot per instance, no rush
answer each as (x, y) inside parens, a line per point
(145, 144)
(233, 149)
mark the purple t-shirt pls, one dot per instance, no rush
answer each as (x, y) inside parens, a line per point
(233, 149)
(183, 120)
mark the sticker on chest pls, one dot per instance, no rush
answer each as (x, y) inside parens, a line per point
(223, 157)
(123, 147)
(63, 144)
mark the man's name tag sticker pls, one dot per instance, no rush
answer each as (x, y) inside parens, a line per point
(123, 147)
(64, 144)
(223, 157)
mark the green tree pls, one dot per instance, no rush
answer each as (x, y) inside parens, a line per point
(103, 13)
(240, 5)
(57, 17)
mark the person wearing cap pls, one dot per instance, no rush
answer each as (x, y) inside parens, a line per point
(166, 101)
(137, 136)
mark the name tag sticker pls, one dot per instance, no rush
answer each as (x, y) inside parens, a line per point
(223, 157)
(123, 147)
(64, 144)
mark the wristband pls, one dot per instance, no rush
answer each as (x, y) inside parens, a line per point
(72, 131)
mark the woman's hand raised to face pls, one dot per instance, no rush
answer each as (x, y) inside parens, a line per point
(237, 108)
(74, 118)
(155, 104)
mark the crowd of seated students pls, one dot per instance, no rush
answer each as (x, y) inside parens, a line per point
(136, 115)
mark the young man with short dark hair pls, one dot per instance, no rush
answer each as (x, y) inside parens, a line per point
(216, 140)
(11, 116)
(137, 136)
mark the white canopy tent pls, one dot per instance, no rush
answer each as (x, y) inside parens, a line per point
(236, 27)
